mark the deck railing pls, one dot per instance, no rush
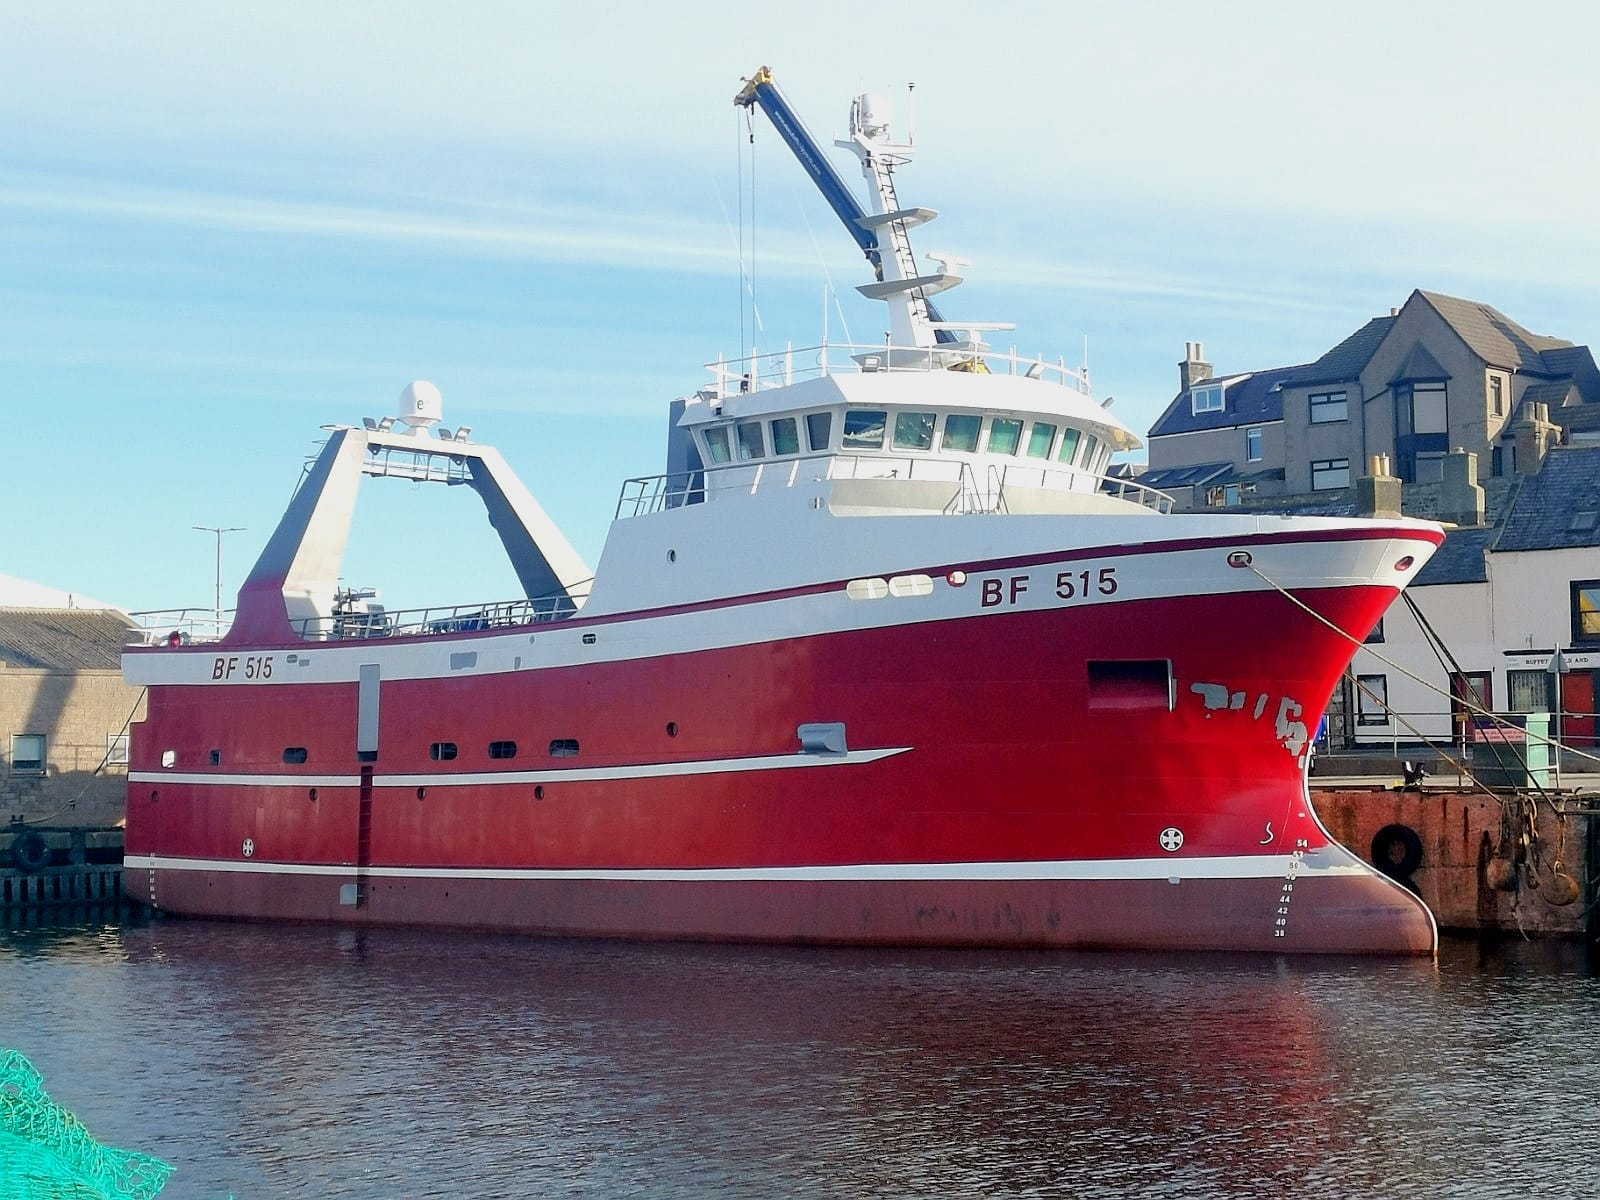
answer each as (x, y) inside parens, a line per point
(654, 493)
(783, 367)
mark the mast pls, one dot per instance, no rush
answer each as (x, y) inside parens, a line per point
(913, 320)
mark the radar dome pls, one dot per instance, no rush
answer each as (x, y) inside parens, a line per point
(420, 405)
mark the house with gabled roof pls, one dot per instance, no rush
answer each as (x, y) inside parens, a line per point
(1438, 373)
(1517, 607)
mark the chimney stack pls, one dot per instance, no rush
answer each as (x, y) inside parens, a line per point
(1378, 492)
(1193, 369)
(1460, 497)
(1535, 435)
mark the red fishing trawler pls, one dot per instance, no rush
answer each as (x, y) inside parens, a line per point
(884, 657)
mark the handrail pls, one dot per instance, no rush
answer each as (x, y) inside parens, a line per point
(759, 370)
(649, 494)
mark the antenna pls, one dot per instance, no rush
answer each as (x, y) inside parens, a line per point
(911, 114)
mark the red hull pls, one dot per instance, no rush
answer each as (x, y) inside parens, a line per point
(988, 744)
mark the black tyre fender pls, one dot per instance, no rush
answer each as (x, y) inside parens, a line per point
(30, 852)
(1397, 851)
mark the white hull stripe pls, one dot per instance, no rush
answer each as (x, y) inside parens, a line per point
(1175, 870)
(658, 770)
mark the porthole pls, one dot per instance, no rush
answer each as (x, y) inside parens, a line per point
(672, 729)
(538, 791)
(294, 754)
(564, 748)
(216, 758)
(422, 793)
(505, 749)
(672, 556)
(313, 794)
(442, 751)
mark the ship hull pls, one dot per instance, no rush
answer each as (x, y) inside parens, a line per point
(1124, 773)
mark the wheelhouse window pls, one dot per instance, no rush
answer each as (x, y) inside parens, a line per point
(785, 436)
(863, 429)
(717, 444)
(1329, 406)
(1091, 455)
(819, 429)
(1372, 699)
(961, 433)
(913, 431)
(1252, 444)
(750, 443)
(1069, 445)
(1207, 399)
(1586, 610)
(1329, 473)
(1040, 439)
(1005, 435)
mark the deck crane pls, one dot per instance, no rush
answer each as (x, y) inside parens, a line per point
(915, 326)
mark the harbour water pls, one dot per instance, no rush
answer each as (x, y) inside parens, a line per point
(301, 1061)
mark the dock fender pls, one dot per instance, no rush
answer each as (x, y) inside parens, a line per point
(30, 852)
(1397, 851)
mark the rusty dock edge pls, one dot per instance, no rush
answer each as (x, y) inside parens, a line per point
(1507, 862)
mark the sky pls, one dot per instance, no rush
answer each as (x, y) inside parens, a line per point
(225, 226)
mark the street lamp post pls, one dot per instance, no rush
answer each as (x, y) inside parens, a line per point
(219, 530)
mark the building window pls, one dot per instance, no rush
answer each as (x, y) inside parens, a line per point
(1528, 691)
(1329, 406)
(1586, 610)
(1497, 401)
(27, 754)
(1207, 399)
(1329, 473)
(1422, 408)
(1372, 699)
(116, 749)
(1252, 444)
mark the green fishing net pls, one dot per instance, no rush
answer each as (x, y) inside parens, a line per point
(47, 1154)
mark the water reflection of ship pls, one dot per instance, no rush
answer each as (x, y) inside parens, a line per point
(833, 1071)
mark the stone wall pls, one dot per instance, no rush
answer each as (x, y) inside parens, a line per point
(77, 712)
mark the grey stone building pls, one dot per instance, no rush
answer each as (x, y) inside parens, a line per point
(1435, 375)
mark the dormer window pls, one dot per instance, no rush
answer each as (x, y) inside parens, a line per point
(1207, 399)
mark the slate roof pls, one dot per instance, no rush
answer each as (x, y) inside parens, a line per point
(1420, 366)
(1186, 476)
(1251, 400)
(1548, 513)
(62, 639)
(1459, 560)
(1553, 393)
(1493, 336)
(1345, 362)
